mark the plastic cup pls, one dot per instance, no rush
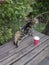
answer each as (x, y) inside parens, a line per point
(36, 40)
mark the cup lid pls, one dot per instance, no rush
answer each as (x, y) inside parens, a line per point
(36, 38)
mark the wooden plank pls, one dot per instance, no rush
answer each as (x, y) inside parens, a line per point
(24, 60)
(45, 61)
(18, 55)
(14, 50)
(9, 46)
(39, 57)
(6, 47)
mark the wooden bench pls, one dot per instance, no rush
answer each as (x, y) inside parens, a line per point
(26, 53)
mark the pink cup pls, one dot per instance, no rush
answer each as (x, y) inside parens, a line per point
(36, 40)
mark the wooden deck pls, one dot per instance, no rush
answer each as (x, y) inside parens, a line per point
(26, 53)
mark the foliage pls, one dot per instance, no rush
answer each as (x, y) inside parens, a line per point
(40, 6)
(39, 27)
(11, 12)
(41, 10)
(46, 30)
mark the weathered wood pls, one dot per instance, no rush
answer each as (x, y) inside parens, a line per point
(16, 50)
(20, 54)
(45, 61)
(26, 48)
(10, 48)
(28, 57)
(7, 47)
(39, 57)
